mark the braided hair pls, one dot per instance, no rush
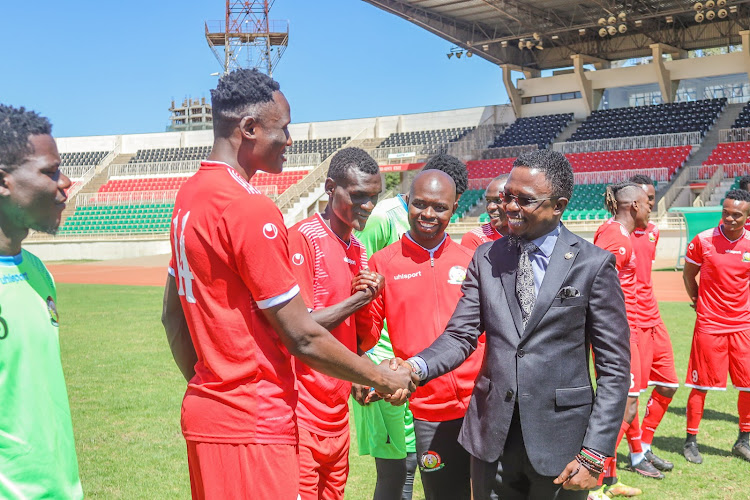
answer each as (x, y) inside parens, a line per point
(610, 195)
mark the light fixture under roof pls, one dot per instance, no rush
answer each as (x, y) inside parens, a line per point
(504, 43)
(555, 37)
(670, 19)
(582, 31)
(638, 23)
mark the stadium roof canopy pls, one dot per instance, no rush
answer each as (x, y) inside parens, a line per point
(492, 29)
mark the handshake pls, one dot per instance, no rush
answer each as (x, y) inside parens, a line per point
(398, 380)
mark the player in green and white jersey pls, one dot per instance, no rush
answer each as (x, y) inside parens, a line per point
(384, 431)
(37, 452)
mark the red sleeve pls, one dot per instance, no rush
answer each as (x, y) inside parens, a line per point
(377, 306)
(252, 231)
(303, 265)
(470, 240)
(695, 251)
(656, 234)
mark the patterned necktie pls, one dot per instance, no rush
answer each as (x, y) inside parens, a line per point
(525, 281)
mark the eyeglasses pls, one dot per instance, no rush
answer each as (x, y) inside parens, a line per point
(523, 201)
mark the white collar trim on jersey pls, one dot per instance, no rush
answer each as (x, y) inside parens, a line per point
(330, 231)
(721, 228)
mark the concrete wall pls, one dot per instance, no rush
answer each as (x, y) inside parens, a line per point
(60, 249)
(97, 250)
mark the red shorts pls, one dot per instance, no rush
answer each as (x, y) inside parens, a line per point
(711, 356)
(239, 471)
(646, 356)
(662, 365)
(636, 374)
(323, 465)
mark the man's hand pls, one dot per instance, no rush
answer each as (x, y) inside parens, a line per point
(576, 477)
(369, 282)
(364, 395)
(402, 379)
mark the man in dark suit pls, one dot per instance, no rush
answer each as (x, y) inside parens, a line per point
(535, 426)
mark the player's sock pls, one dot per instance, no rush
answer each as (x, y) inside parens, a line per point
(691, 438)
(694, 411)
(634, 441)
(743, 408)
(611, 472)
(655, 409)
(645, 446)
(623, 429)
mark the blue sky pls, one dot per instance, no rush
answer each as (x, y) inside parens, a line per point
(98, 68)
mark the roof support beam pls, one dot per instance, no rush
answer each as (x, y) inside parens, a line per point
(584, 84)
(513, 94)
(667, 86)
(745, 34)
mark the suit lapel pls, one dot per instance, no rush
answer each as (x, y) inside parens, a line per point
(504, 259)
(557, 271)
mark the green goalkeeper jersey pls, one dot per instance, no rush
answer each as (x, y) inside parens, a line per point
(37, 452)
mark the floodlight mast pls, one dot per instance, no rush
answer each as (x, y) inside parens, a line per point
(247, 38)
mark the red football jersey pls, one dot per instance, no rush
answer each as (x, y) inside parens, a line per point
(482, 234)
(325, 266)
(724, 290)
(644, 246)
(613, 237)
(230, 260)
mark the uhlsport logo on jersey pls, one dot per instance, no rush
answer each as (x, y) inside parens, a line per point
(430, 461)
(456, 275)
(746, 257)
(52, 309)
(270, 231)
(298, 259)
(651, 237)
(621, 250)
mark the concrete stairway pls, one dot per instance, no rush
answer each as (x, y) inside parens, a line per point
(568, 131)
(725, 120)
(719, 192)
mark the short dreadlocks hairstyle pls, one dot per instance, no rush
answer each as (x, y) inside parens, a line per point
(239, 94)
(451, 166)
(642, 179)
(738, 195)
(744, 182)
(556, 168)
(351, 158)
(613, 191)
(17, 125)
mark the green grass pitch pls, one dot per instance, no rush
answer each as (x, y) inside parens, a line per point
(125, 394)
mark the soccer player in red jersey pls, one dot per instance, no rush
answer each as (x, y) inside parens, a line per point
(629, 205)
(657, 359)
(232, 310)
(424, 272)
(721, 339)
(497, 227)
(326, 258)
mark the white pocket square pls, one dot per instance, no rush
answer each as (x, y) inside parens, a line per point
(568, 292)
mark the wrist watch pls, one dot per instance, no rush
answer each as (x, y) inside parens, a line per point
(416, 368)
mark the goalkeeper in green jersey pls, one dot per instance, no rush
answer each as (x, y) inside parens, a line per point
(37, 453)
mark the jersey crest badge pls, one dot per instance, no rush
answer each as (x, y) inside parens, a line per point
(651, 237)
(430, 461)
(52, 309)
(456, 275)
(746, 257)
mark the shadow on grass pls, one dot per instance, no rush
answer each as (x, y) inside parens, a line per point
(675, 444)
(708, 414)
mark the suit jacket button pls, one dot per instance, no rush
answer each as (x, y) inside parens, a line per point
(520, 353)
(509, 395)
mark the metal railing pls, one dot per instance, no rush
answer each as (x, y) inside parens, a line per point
(82, 181)
(610, 176)
(734, 134)
(636, 142)
(505, 152)
(155, 168)
(76, 171)
(407, 154)
(125, 198)
(303, 160)
(714, 181)
(704, 172)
